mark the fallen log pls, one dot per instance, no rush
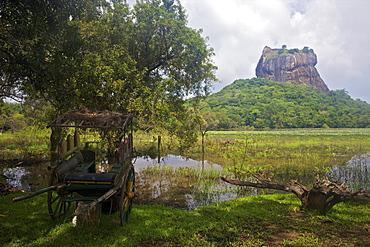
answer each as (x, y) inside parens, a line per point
(322, 196)
(6, 189)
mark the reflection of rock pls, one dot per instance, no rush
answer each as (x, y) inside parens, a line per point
(30, 178)
(355, 175)
(291, 66)
(16, 177)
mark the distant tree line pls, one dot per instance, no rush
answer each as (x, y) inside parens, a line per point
(261, 103)
(284, 50)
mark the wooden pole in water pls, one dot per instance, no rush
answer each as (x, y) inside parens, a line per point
(159, 149)
(203, 135)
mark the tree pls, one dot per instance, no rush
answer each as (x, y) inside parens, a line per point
(145, 61)
(107, 78)
(37, 44)
(306, 49)
(292, 51)
(11, 116)
(105, 56)
(175, 58)
(41, 50)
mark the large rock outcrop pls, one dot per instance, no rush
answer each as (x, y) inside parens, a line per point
(292, 66)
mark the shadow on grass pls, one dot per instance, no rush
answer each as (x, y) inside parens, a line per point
(253, 221)
(24, 222)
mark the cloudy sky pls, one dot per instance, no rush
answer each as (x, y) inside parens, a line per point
(337, 30)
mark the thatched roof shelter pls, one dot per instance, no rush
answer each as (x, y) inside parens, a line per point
(85, 118)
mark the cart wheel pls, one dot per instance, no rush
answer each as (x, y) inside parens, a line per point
(127, 195)
(57, 208)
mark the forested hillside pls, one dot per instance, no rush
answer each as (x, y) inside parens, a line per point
(261, 103)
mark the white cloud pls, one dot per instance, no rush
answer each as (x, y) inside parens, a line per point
(337, 30)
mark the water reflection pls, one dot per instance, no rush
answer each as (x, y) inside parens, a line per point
(355, 175)
(181, 182)
(30, 178)
(16, 177)
(175, 161)
(176, 181)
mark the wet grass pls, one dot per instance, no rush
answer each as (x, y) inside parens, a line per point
(270, 220)
(283, 153)
(183, 187)
(298, 154)
(167, 170)
(295, 150)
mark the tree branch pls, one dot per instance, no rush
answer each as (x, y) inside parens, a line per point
(322, 196)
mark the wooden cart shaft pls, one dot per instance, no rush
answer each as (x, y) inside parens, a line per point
(39, 192)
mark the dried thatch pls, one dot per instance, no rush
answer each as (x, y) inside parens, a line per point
(85, 118)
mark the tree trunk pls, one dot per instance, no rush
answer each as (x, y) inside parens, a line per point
(56, 134)
(322, 196)
(203, 144)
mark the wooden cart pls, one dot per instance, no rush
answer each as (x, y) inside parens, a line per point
(74, 177)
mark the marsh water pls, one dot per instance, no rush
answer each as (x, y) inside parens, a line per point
(181, 182)
(355, 174)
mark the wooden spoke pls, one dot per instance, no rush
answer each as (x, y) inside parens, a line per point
(56, 206)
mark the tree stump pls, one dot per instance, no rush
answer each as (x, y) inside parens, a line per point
(322, 196)
(83, 217)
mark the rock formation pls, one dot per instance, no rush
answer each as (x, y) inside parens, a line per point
(292, 66)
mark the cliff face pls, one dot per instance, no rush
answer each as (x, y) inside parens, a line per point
(291, 66)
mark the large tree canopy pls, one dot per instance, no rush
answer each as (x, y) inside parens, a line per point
(35, 44)
(104, 55)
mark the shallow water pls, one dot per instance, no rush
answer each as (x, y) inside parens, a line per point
(29, 178)
(186, 183)
(355, 174)
(181, 182)
(175, 162)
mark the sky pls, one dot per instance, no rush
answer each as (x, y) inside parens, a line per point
(337, 30)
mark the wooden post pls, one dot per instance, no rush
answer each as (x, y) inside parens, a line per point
(89, 217)
(159, 149)
(203, 136)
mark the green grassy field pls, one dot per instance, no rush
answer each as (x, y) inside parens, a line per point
(284, 152)
(271, 220)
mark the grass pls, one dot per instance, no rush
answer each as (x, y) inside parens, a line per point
(28, 143)
(288, 153)
(270, 220)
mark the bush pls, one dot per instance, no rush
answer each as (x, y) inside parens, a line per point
(325, 126)
(29, 142)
